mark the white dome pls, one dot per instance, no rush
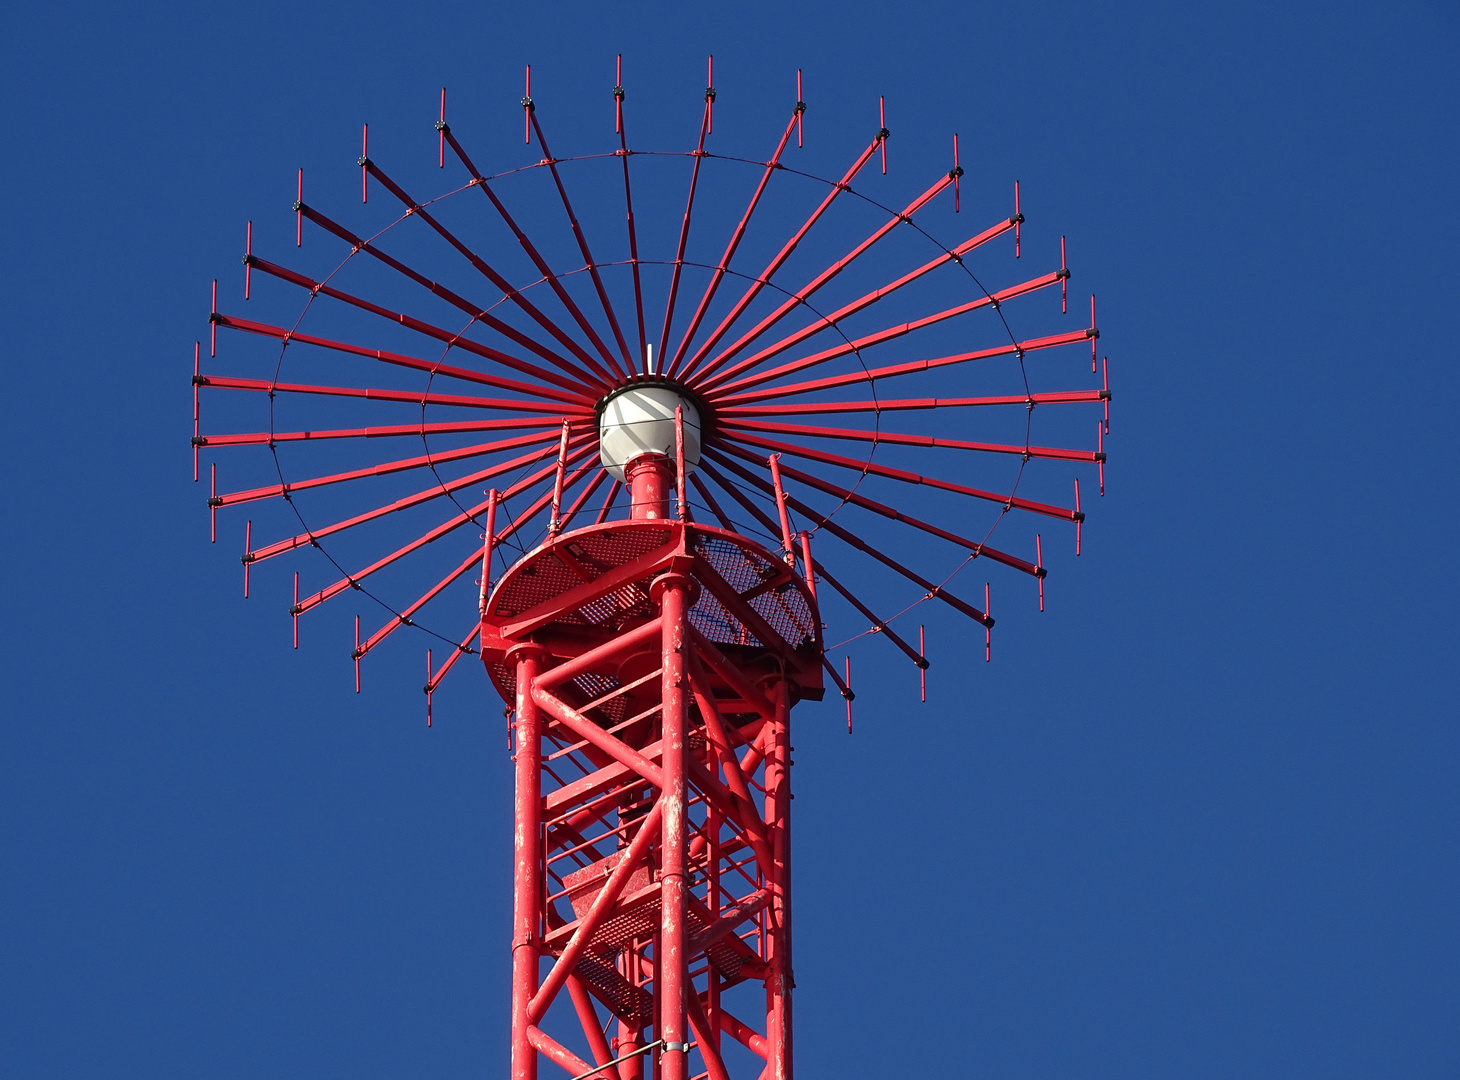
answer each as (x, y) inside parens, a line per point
(640, 420)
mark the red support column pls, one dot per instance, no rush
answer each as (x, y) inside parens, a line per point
(672, 976)
(526, 862)
(778, 878)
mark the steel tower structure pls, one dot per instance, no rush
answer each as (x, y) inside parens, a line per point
(650, 660)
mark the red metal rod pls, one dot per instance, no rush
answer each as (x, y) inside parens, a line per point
(957, 173)
(679, 462)
(295, 618)
(1105, 391)
(672, 982)
(197, 415)
(1100, 452)
(803, 408)
(247, 265)
(809, 571)
(588, 259)
(294, 611)
(775, 264)
(510, 292)
(851, 538)
(489, 542)
(882, 122)
(576, 397)
(879, 626)
(608, 501)
(441, 137)
(411, 397)
(579, 383)
(1018, 219)
(464, 648)
(988, 631)
(868, 299)
(1094, 333)
(213, 319)
(720, 515)
(527, 884)
(553, 525)
(364, 159)
(846, 689)
(923, 666)
(786, 546)
(417, 499)
(800, 109)
(694, 180)
(867, 341)
(799, 297)
(623, 154)
(1081, 518)
(1039, 561)
(978, 548)
(270, 491)
(1065, 266)
(893, 438)
(299, 213)
(451, 525)
(871, 468)
(892, 370)
(527, 106)
(212, 506)
(593, 485)
(532, 253)
(739, 234)
(247, 562)
(267, 438)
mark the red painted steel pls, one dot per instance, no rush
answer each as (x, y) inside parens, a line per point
(649, 662)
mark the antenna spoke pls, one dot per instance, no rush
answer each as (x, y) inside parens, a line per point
(905, 404)
(894, 439)
(269, 438)
(892, 370)
(507, 289)
(694, 180)
(889, 334)
(799, 297)
(268, 386)
(459, 339)
(871, 468)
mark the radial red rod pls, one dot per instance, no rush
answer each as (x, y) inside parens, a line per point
(874, 469)
(223, 382)
(197, 414)
(434, 492)
(799, 297)
(506, 287)
(353, 580)
(247, 266)
(588, 259)
(978, 548)
(854, 540)
(387, 468)
(893, 438)
(577, 397)
(893, 370)
(888, 334)
(879, 626)
(923, 665)
(694, 180)
(720, 515)
(433, 681)
(579, 382)
(801, 408)
(532, 253)
(557, 505)
(299, 213)
(786, 546)
(623, 154)
(268, 438)
(587, 494)
(739, 234)
(865, 301)
(776, 263)
(404, 617)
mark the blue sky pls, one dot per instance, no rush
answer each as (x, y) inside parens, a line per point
(1199, 818)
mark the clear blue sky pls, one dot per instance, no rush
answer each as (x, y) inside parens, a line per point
(1199, 819)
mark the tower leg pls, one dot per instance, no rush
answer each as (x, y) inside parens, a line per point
(778, 822)
(672, 974)
(526, 865)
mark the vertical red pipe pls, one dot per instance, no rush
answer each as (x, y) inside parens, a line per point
(647, 477)
(778, 823)
(672, 975)
(526, 862)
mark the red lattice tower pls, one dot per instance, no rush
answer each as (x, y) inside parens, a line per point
(649, 660)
